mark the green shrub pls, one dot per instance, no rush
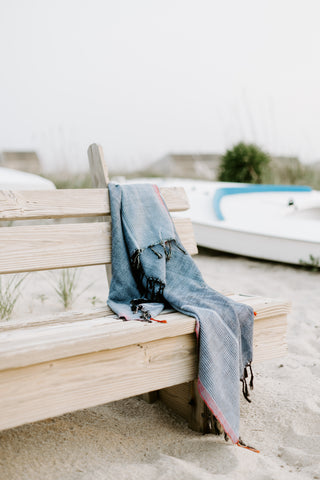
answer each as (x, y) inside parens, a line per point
(312, 264)
(245, 163)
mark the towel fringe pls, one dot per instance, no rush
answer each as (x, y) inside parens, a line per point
(145, 315)
(249, 365)
(245, 390)
(137, 269)
(168, 249)
(154, 288)
(150, 287)
(155, 252)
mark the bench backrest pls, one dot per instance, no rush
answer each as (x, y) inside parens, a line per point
(32, 247)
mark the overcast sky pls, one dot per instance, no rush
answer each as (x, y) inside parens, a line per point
(145, 77)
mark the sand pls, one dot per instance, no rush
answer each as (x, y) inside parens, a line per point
(131, 439)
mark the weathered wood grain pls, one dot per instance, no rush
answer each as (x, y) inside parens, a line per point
(73, 203)
(42, 204)
(185, 401)
(58, 338)
(98, 167)
(46, 387)
(61, 318)
(45, 247)
(100, 179)
(26, 346)
(53, 388)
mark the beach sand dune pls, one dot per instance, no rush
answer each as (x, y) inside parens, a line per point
(131, 439)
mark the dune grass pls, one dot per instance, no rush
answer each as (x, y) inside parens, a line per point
(70, 180)
(293, 173)
(66, 286)
(282, 171)
(10, 291)
(313, 263)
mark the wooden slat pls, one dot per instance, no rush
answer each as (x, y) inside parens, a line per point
(61, 318)
(185, 231)
(176, 198)
(26, 346)
(263, 306)
(43, 204)
(30, 346)
(32, 204)
(73, 334)
(45, 247)
(53, 388)
(269, 338)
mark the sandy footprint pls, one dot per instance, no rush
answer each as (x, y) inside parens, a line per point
(302, 446)
(312, 405)
(216, 455)
(306, 425)
(301, 461)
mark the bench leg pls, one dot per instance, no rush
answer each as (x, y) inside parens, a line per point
(185, 400)
(150, 397)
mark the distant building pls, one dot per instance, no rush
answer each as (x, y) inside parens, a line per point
(282, 161)
(25, 161)
(196, 165)
(315, 165)
(206, 166)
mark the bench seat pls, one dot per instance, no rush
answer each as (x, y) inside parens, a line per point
(77, 360)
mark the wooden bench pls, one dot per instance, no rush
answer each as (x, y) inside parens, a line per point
(70, 361)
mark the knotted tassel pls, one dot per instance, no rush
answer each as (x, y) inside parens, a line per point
(251, 375)
(245, 390)
(156, 253)
(240, 443)
(159, 321)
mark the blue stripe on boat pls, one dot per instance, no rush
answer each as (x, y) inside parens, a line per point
(222, 192)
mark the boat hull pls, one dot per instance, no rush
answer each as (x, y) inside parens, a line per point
(277, 223)
(255, 245)
(11, 179)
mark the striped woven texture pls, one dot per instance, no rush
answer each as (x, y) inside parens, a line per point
(151, 269)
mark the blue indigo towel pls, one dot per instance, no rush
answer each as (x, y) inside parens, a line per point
(151, 269)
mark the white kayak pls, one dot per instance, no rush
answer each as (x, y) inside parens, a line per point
(16, 180)
(273, 222)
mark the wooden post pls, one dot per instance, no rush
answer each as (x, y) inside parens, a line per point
(98, 167)
(185, 400)
(100, 179)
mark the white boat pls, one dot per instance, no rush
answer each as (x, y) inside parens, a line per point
(273, 222)
(16, 180)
